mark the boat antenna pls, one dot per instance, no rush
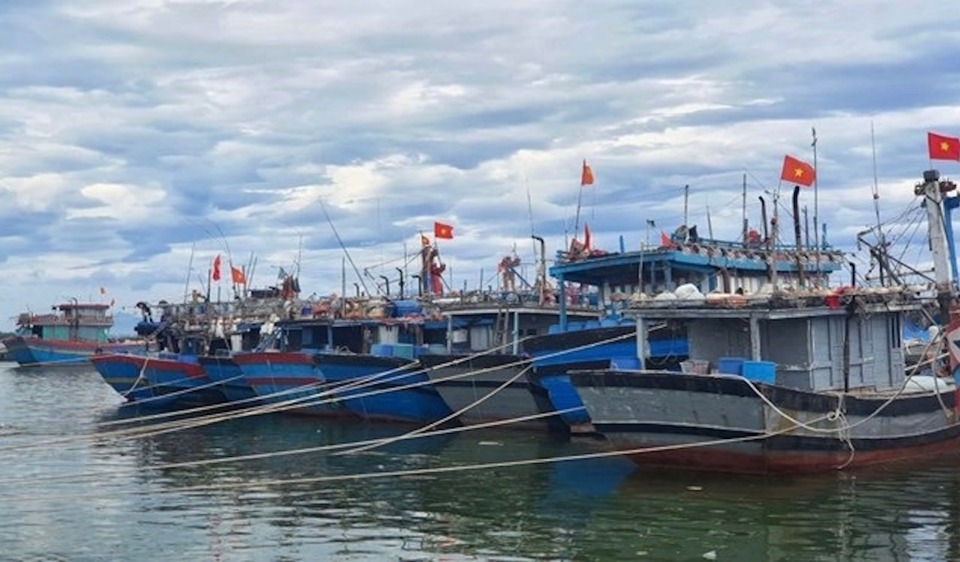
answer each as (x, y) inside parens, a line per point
(296, 269)
(323, 207)
(816, 185)
(533, 237)
(746, 226)
(186, 286)
(816, 202)
(709, 223)
(876, 192)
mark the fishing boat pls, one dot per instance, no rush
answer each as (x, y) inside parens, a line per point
(683, 266)
(289, 381)
(792, 381)
(70, 334)
(187, 338)
(483, 375)
(169, 373)
(366, 362)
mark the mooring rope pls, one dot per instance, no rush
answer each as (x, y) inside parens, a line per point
(416, 472)
(194, 422)
(291, 452)
(452, 416)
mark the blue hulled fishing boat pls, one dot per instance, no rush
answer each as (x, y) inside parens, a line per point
(70, 334)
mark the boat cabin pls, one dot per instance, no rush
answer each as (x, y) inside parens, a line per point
(72, 321)
(504, 319)
(707, 264)
(809, 343)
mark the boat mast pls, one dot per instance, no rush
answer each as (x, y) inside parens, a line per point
(744, 213)
(930, 189)
(882, 244)
(774, 233)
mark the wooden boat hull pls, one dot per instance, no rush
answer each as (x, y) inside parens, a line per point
(728, 424)
(125, 375)
(226, 371)
(382, 388)
(288, 380)
(469, 385)
(37, 351)
(168, 380)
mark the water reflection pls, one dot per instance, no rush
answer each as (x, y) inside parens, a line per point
(135, 505)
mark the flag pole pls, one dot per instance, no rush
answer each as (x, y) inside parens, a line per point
(816, 204)
(774, 234)
(576, 221)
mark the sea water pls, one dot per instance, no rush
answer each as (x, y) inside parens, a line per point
(271, 488)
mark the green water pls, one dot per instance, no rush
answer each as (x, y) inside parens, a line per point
(67, 497)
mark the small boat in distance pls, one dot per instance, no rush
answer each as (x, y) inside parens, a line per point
(71, 334)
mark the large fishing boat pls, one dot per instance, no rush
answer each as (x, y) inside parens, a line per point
(684, 264)
(795, 380)
(484, 372)
(190, 349)
(70, 334)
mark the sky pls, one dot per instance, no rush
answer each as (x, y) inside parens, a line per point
(141, 138)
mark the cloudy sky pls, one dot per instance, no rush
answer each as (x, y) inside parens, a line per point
(138, 134)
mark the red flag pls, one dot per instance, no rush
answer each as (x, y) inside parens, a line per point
(236, 274)
(216, 268)
(441, 230)
(586, 236)
(665, 241)
(797, 171)
(943, 147)
(586, 176)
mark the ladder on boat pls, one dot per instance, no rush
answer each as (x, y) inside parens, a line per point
(501, 323)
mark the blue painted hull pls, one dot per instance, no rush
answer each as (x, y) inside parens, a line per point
(35, 351)
(289, 380)
(554, 355)
(123, 374)
(375, 388)
(181, 378)
(224, 370)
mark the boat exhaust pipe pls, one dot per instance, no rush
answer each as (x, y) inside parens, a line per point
(763, 215)
(796, 232)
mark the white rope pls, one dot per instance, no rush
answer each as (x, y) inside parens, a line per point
(288, 452)
(417, 472)
(452, 416)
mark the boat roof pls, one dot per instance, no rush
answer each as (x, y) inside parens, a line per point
(81, 306)
(778, 307)
(622, 268)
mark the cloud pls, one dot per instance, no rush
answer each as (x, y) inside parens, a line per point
(139, 137)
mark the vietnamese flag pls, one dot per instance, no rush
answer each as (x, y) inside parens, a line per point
(586, 176)
(441, 230)
(216, 268)
(236, 274)
(797, 171)
(943, 147)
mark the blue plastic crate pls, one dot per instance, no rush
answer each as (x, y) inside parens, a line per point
(760, 371)
(731, 365)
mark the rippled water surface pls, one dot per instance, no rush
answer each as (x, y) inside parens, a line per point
(185, 494)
